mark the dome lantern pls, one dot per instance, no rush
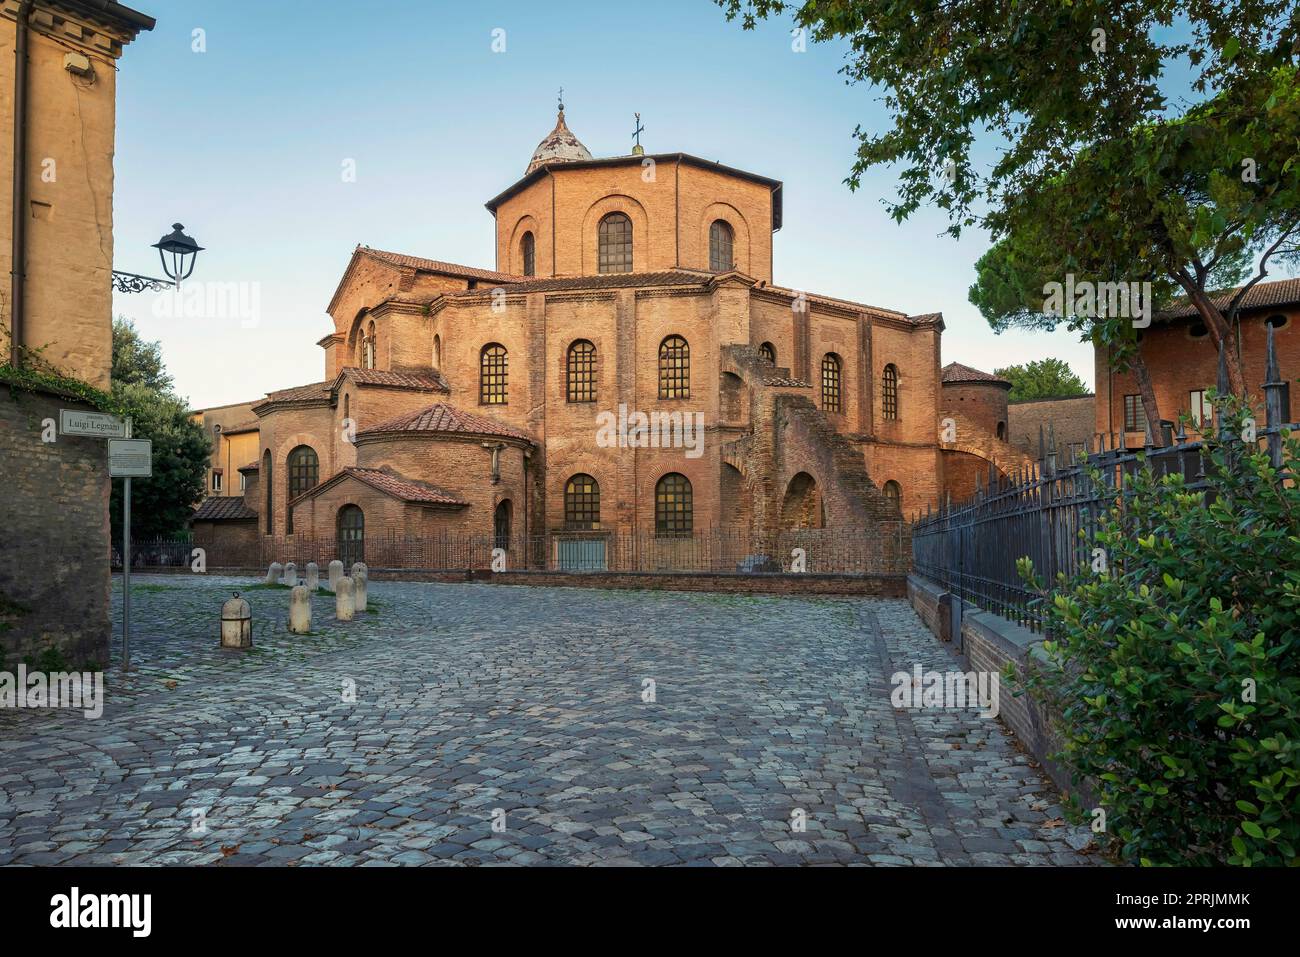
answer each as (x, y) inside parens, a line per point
(559, 146)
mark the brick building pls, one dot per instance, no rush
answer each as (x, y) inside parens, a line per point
(1183, 363)
(1071, 421)
(973, 430)
(631, 296)
(56, 318)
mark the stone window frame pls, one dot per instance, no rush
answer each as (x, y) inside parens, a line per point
(674, 367)
(581, 503)
(614, 243)
(493, 374)
(722, 246)
(580, 371)
(674, 506)
(889, 393)
(832, 383)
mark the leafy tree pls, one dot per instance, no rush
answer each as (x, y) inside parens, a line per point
(135, 361)
(160, 505)
(1042, 379)
(1096, 171)
(1173, 667)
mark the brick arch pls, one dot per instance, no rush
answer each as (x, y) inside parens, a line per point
(587, 465)
(514, 258)
(801, 503)
(739, 230)
(616, 203)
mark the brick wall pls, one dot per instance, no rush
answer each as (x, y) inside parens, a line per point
(55, 548)
(1073, 421)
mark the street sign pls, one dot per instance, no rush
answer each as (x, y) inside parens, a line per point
(130, 458)
(98, 425)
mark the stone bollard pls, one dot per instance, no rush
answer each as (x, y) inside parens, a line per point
(335, 572)
(345, 602)
(360, 581)
(236, 623)
(313, 577)
(274, 573)
(358, 568)
(300, 610)
(290, 574)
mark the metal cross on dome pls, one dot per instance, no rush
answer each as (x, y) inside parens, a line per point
(636, 134)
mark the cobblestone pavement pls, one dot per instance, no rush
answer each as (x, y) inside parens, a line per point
(472, 698)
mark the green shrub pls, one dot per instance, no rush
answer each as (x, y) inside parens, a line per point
(1175, 672)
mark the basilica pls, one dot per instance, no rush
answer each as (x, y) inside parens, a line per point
(634, 289)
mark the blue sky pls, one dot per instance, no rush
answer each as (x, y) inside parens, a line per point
(245, 145)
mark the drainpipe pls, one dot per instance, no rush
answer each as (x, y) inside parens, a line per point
(18, 254)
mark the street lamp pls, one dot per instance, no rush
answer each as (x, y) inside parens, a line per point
(184, 253)
(180, 246)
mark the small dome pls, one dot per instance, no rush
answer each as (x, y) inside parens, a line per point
(560, 146)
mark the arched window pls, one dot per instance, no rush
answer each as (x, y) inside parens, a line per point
(351, 525)
(269, 493)
(501, 526)
(581, 372)
(581, 503)
(674, 368)
(893, 491)
(437, 352)
(889, 392)
(528, 253)
(614, 244)
(304, 470)
(673, 505)
(368, 355)
(1278, 321)
(831, 383)
(492, 388)
(1002, 431)
(767, 352)
(347, 405)
(722, 241)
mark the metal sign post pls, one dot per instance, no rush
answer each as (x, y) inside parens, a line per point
(128, 458)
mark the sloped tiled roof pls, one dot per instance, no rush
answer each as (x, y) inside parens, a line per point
(243, 427)
(408, 490)
(434, 265)
(312, 392)
(956, 372)
(441, 417)
(250, 467)
(781, 380)
(559, 146)
(223, 508)
(415, 381)
(1264, 295)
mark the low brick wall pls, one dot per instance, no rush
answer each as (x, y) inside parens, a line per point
(874, 586)
(989, 643)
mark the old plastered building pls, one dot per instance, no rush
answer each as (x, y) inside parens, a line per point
(627, 292)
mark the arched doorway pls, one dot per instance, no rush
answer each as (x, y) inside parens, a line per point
(802, 505)
(351, 536)
(501, 526)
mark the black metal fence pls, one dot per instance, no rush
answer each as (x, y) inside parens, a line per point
(1050, 514)
(884, 548)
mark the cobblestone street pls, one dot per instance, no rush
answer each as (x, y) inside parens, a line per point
(471, 698)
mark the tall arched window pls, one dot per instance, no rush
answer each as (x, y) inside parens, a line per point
(722, 241)
(528, 253)
(347, 407)
(351, 525)
(831, 383)
(437, 352)
(304, 472)
(501, 526)
(673, 505)
(368, 357)
(581, 372)
(767, 352)
(269, 486)
(674, 368)
(893, 491)
(581, 503)
(889, 392)
(614, 244)
(493, 387)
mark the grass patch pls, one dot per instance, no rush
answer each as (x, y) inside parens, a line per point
(266, 586)
(152, 588)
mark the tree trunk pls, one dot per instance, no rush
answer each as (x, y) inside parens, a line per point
(1219, 329)
(1149, 406)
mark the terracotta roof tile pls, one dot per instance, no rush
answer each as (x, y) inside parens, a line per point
(1264, 295)
(786, 381)
(222, 508)
(416, 381)
(441, 417)
(434, 265)
(250, 467)
(312, 392)
(405, 489)
(956, 372)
